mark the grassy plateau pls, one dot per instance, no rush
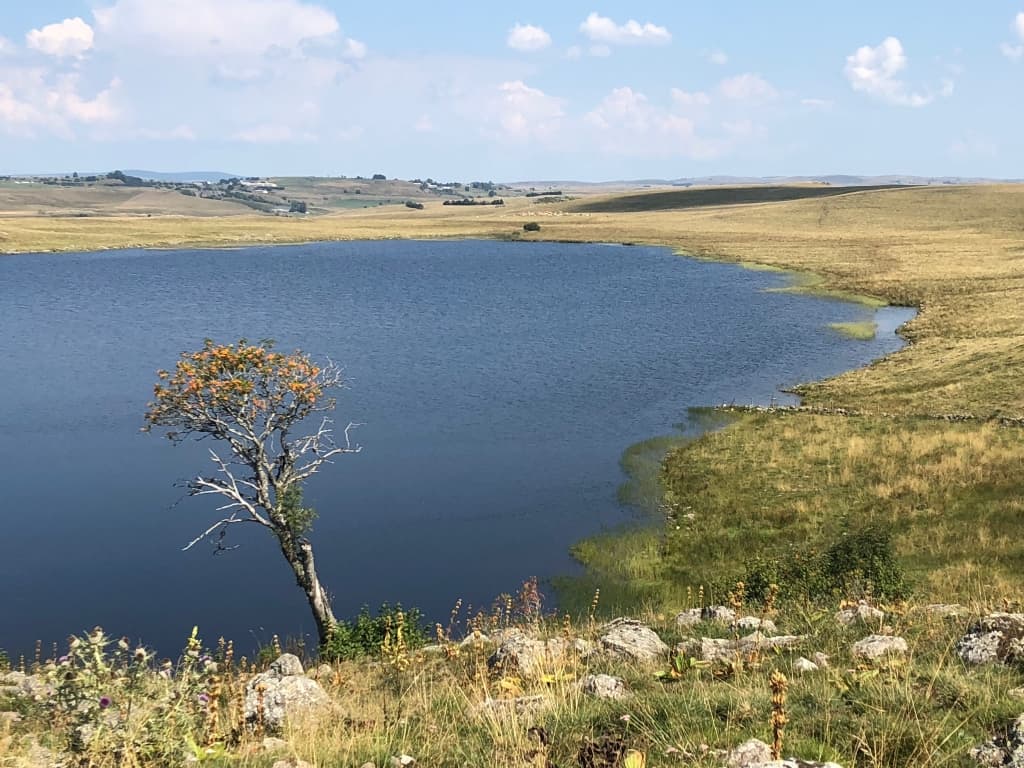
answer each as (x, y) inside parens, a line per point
(925, 446)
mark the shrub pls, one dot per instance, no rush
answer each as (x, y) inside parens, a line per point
(413, 204)
(859, 563)
(365, 635)
(531, 226)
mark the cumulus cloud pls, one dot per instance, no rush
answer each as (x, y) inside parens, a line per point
(178, 133)
(423, 124)
(6, 46)
(353, 49)
(748, 87)
(521, 113)
(626, 122)
(1015, 51)
(601, 29)
(718, 57)
(189, 28)
(33, 100)
(71, 37)
(526, 37)
(875, 71)
(688, 99)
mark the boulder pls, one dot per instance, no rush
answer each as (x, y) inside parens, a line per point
(1005, 750)
(996, 638)
(946, 610)
(804, 666)
(528, 656)
(629, 639)
(748, 753)
(603, 686)
(876, 646)
(821, 659)
(20, 685)
(285, 691)
(292, 762)
(861, 612)
(792, 762)
(719, 649)
(749, 623)
(717, 614)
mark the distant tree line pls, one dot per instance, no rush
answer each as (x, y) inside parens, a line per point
(470, 201)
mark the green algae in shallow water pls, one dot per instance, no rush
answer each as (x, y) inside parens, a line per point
(862, 331)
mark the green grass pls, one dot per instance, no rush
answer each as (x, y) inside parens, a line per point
(864, 330)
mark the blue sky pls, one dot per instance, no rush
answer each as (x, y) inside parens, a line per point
(514, 90)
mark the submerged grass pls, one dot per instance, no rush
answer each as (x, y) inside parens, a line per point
(864, 330)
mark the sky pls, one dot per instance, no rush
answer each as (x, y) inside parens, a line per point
(514, 90)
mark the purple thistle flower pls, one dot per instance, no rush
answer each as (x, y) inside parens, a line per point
(204, 699)
(104, 702)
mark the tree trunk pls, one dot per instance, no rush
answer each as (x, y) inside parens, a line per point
(299, 554)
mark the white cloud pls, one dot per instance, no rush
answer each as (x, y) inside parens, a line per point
(875, 71)
(625, 122)
(178, 133)
(1015, 51)
(423, 124)
(718, 57)
(526, 37)
(521, 113)
(353, 49)
(748, 87)
(6, 47)
(225, 28)
(688, 99)
(599, 51)
(601, 29)
(71, 37)
(32, 100)
(823, 104)
(573, 52)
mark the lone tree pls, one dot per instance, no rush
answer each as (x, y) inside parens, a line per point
(255, 399)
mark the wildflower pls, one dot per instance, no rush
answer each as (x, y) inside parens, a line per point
(104, 702)
(64, 660)
(122, 644)
(624, 718)
(140, 654)
(203, 698)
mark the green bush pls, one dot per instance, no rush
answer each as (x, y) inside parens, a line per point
(365, 634)
(531, 226)
(860, 563)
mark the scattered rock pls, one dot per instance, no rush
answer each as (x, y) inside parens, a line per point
(292, 762)
(402, 761)
(1017, 693)
(604, 686)
(528, 656)
(804, 666)
(322, 672)
(285, 691)
(286, 665)
(861, 612)
(21, 685)
(273, 744)
(629, 639)
(748, 753)
(821, 659)
(718, 614)
(997, 638)
(1006, 749)
(792, 762)
(368, 765)
(718, 649)
(877, 646)
(749, 623)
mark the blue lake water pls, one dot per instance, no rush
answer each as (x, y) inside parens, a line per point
(498, 384)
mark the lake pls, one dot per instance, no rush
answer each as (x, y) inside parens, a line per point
(497, 385)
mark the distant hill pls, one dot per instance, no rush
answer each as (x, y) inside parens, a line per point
(183, 177)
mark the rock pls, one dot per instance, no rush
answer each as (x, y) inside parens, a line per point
(861, 612)
(749, 623)
(792, 762)
(604, 686)
(528, 656)
(402, 761)
(1017, 693)
(804, 666)
(997, 638)
(876, 646)
(1006, 749)
(718, 614)
(285, 692)
(718, 649)
(523, 705)
(632, 640)
(286, 665)
(821, 659)
(8, 719)
(20, 685)
(748, 753)
(292, 762)
(322, 672)
(273, 744)
(368, 765)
